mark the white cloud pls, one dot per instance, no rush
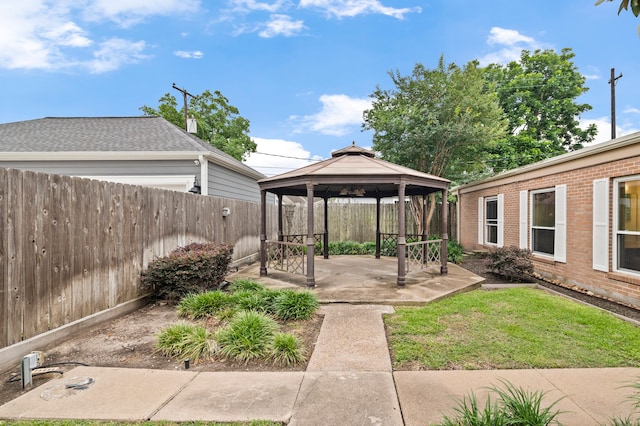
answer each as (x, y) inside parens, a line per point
(513, 44)
(281, 25)
(253, 5)
(194, 54)
(276, 156)
(114, 53)
(350, 8)
(129, 12)
(631, 110)
(604, 128)
(339, 114)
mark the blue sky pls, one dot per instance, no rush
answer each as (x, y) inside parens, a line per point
(300, 71)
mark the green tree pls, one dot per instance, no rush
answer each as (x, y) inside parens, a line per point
(538, 94)
(624, 5)
(219, 123)
(439, 121)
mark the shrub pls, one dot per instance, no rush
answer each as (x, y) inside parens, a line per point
(455, 251)
(186, 341)
(295, 305)
(247, 336)
(286, 349)
(252, 300)
(510, 262)
(191, 269)
(205, 304)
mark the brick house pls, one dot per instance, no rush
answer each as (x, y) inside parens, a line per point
(578, 213)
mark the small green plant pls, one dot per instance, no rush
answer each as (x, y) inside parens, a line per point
(247, 336)
(455, 252)
(295, 305)
(630, 420)
(249, 300)
(245, 284)
(186, 341)
(205, 304)
(514, 406)
(510, 262)
(190, 269)
(286, 349)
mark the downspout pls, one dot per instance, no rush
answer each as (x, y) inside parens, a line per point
(204, 175)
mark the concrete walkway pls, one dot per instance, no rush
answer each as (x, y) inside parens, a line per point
(349, 381)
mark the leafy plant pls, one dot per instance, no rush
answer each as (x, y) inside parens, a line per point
(295, 305)
(205, 304)
(186, 341)
(455, 252)
(190, 269)
(286, 349)
(259, 301)
(247, 336)
(510, 262)
(245, 284)
(514, 406)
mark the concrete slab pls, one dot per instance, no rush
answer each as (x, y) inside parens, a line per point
(235, 397)
(352, 338)
(367, 280)
(347, 398)
(427, 396)
(115, 394)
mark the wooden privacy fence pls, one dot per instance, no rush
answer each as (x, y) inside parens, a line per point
(72, 247)
(357, 221)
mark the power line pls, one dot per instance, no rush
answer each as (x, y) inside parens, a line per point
(288, 156)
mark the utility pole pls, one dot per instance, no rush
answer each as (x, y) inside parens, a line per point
(186, 110)
(612, 82)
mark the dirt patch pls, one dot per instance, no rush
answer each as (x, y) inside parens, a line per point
(129, 342)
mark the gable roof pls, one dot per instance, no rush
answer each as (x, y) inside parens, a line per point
(76, 138)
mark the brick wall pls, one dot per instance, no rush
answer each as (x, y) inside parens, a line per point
(579, 179)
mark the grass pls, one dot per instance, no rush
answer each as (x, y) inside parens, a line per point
(186, 341)
(507, 329)
(247, 336)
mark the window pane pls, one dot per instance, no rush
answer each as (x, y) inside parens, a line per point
(492, 234)
(629, 252)
(544, 209)
(492, 209)
(628, 208)
(543, 240)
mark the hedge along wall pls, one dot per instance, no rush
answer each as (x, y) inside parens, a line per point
(72, 247)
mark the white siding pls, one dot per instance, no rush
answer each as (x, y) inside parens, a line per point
(601, 224)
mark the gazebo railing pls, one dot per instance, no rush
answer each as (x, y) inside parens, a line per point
(301, 238)
(389, 243)
(423, 254)
(286, 256)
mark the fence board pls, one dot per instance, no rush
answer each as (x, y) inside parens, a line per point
(5, 225)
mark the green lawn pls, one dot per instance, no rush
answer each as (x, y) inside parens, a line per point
(508, 329)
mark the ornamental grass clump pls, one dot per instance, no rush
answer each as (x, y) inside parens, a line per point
(244, 284)
(185, 340)
(295, 305)
(205, 304)
(247, 336)
(286, 349)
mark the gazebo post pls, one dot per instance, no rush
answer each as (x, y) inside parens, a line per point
(377, 227)
(311, 280)
(263, 233)
(425, 247)
(444, 270)
(325, 242)
(402, 241)
(280, 218)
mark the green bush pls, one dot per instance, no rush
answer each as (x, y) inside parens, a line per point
(295, 305)
(191, 269)
(510, 262)
(205, 304)
(247, 336)
(259, 301)
(186, 341)
(285, 349)
(455, 251)
(245, 284)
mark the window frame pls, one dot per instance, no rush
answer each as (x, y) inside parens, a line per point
(615, 226)
(533, 227)
(494, 222)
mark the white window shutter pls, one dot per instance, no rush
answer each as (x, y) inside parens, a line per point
(524, 230)
(601, 224)
(480, 220)
(500, 220)
(560, 246)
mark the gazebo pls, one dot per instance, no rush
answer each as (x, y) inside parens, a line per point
(351, 172)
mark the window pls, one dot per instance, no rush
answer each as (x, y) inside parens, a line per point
(543, 220)
(627, 226)
(491, 220)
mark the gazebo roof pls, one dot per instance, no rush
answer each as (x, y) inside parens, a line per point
(353, 172)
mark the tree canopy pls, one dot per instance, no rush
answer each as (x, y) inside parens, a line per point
(624, 5)
(219, 123)
(437, 121)
(538, 94)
